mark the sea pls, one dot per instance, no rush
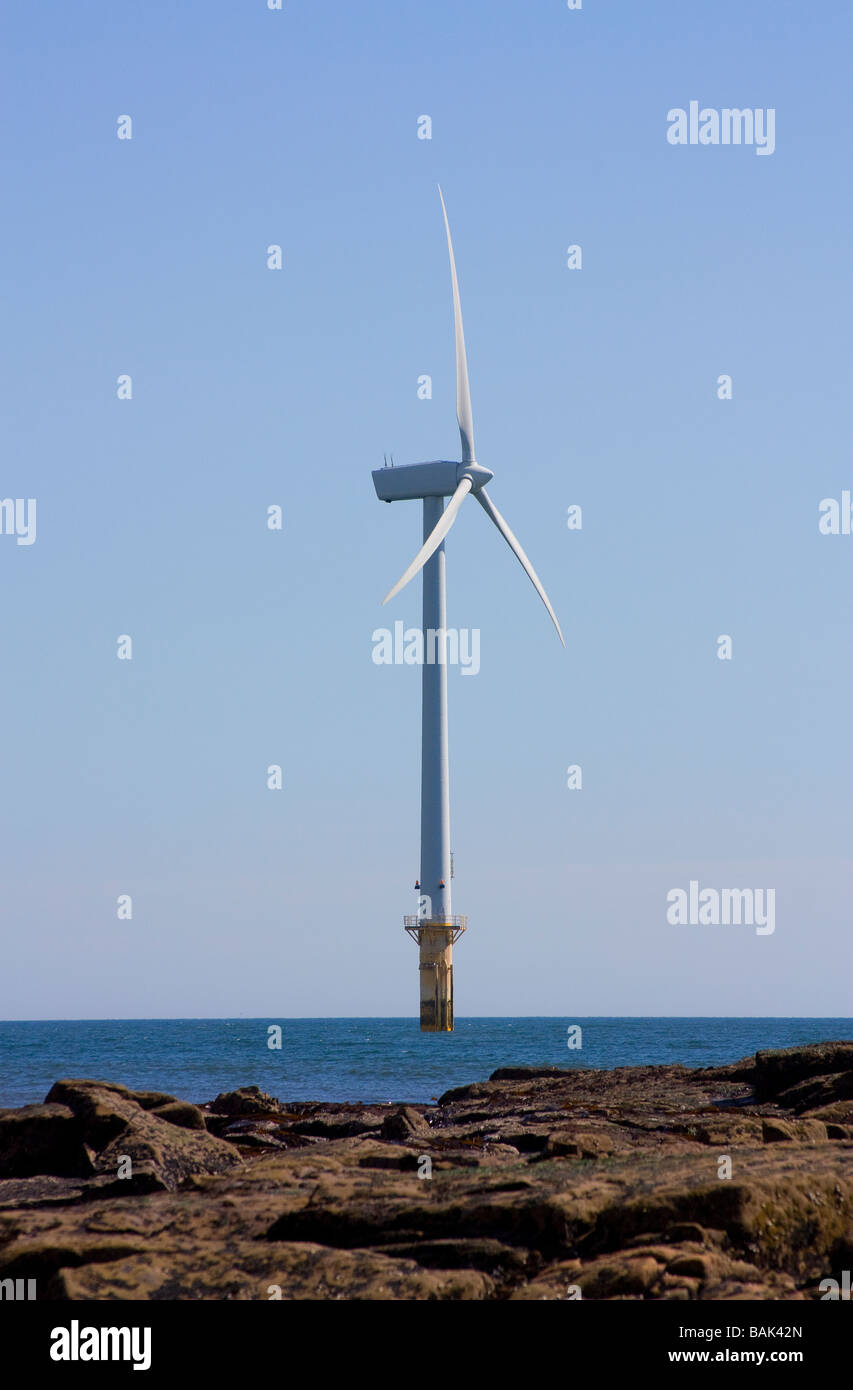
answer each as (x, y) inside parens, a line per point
(364, 1059)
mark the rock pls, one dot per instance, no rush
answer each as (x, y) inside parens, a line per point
(248, 1100)
(40, 1191)
(246, 1272)
(116, 1126)
(793, 1131)
(817, 1091)
(42, 1139)
(689, 1230)
(616, 1191)
(841, 1112)
(578, 1143)
(777, 1131)
(563, 1144)
(728, 1131)
(615, 1277)
(405, 1123)
(339, 1125)
(557, 1282)
(145, 1177)
(778, 1070)
(102, 1110)
(259, 1141)
(173, 1153)
(153, 1100)
(394, 1157)
(238, 1128)
(483, 1254)
(742, 1070)
(528, 1073)
(180, 1113)
(528, 1140)
(496, 1150)
(148, 1100)
(692, 1266)
(678, 1287)
(472, 1092)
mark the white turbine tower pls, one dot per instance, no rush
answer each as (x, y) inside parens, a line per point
(435, 928)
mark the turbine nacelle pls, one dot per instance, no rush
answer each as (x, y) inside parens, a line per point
(438, 479)
(477, 473)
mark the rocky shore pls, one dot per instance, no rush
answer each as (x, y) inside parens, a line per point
(539, 1183)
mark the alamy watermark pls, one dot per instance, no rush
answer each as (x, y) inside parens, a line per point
(728, 126)
(17, 1289)
(76, 1343)
(836, 517)
(712, 907)
(834, 1290)
(443, 647)
(18, 518)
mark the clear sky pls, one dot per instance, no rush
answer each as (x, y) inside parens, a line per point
(253, 387)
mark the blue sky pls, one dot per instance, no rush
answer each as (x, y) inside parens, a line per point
(254, 387)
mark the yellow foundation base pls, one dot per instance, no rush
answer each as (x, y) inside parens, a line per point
(435, 941)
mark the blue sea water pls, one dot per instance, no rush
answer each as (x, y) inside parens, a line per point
(364, 1059)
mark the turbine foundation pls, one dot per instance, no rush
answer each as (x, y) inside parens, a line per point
(435, 938)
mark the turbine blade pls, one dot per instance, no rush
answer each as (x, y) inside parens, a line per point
(434, 539)
(491, 510)
(463, 394)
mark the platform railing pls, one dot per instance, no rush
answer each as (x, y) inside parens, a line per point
(451, 921)
(415, 924)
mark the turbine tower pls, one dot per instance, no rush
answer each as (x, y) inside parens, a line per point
(435, 928)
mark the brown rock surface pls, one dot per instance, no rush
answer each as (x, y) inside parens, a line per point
(776, 1071)
(532, 1185)
(42, 1139)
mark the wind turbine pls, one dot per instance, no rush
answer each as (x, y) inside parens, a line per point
(435, 928)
